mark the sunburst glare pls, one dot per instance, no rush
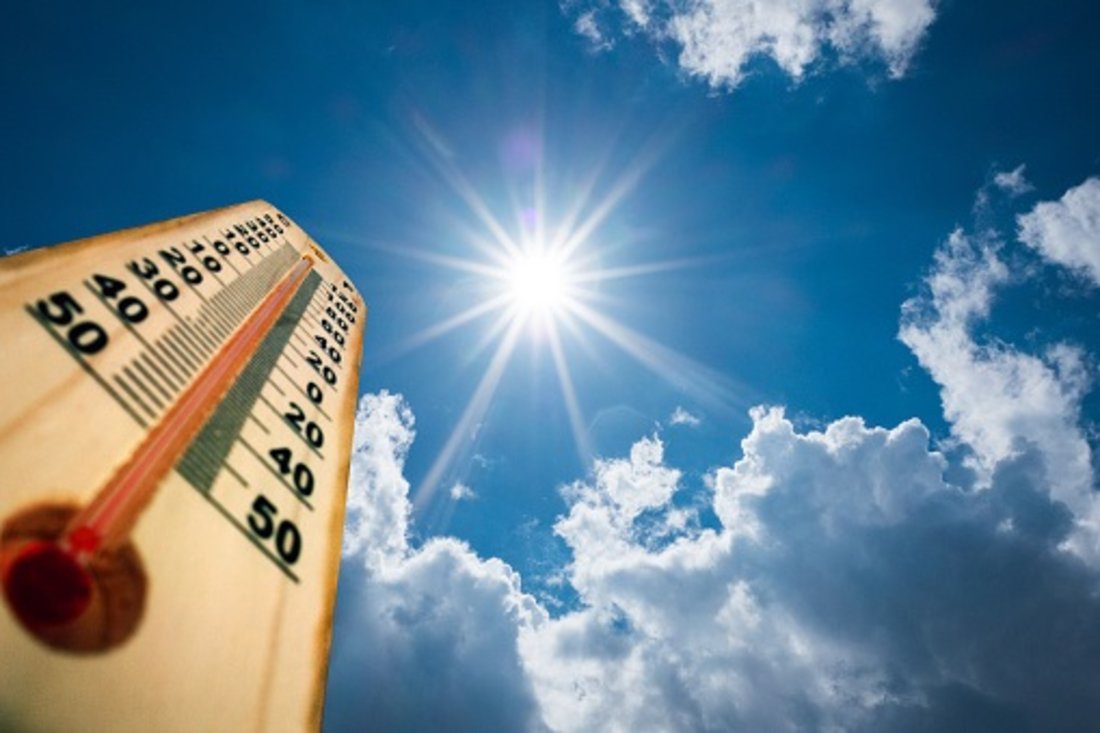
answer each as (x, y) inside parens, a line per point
(539, 283)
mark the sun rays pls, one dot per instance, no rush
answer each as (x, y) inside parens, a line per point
(543, 280)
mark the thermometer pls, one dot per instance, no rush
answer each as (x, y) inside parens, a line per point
(175, 431)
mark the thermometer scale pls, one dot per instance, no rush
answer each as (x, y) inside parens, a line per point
(174, 439)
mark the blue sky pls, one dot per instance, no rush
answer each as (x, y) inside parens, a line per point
(809, 235)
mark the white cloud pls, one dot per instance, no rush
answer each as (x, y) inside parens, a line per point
(431, 632)
(431, 644)
(587, 26)
(892, 28)
(1067, 231)
(377, 504)
(689, 623)
(1001, 401)
(847, 587)
(856, 472)
(680, 416)
(637, 11)
(604, 512)
(719, 38)
(1013, 182)
(461, 491)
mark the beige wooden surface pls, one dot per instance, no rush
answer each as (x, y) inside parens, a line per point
(228, 640)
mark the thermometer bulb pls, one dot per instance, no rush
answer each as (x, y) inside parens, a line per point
(46, 586)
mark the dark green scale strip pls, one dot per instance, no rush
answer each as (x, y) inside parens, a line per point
(203, 460)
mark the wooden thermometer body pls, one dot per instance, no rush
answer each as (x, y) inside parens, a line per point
(177, 410)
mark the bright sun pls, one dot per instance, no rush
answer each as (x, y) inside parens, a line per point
(544, 279)
(538, 282)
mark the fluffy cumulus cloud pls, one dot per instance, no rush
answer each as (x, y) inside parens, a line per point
(377, 503)
(718, 39)
(848, 578)
(847, 586)
(1000, 400)
(435, 628)
(1067, 231)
